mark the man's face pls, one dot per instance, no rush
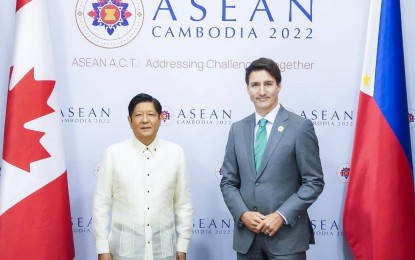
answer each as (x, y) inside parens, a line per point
(263, 91)
(145, 122)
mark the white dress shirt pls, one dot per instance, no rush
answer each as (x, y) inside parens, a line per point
(270, 117)
(146, 188)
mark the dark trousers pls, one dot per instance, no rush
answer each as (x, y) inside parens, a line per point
(259, 251)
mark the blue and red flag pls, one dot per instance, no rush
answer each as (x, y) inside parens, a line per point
(379, 211)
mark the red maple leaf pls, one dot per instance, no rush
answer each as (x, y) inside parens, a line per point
(25, 102)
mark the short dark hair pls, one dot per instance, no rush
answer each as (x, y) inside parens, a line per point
(264, 64)
(140, 98)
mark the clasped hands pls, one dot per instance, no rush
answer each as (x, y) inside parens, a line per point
(258, 223)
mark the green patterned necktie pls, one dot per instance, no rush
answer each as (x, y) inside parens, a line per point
(260, 142)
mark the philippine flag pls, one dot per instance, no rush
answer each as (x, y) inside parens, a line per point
(35, 220)
(379, 211)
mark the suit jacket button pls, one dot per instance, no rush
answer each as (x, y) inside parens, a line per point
(256, 184)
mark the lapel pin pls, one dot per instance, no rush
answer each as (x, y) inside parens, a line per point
(280, 128)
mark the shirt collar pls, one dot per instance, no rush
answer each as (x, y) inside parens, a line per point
(142, 147)
(270, 117)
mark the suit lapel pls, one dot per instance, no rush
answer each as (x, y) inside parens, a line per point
(278, 129)
(249, 140)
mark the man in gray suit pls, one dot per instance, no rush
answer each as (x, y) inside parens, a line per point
(271, 173)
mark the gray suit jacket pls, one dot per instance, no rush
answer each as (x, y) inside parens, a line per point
(289, 180)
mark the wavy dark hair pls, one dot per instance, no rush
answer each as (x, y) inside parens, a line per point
(264, 64)
(140, 98)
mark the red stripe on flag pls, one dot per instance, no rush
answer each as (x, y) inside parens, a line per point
(21, 3)
(379, 206)
(39, 226)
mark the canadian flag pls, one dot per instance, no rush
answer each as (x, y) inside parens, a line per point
(35, 220)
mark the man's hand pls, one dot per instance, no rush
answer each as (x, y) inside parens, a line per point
(180, 256)
(106, 256)
(271, 224)
(252, 219)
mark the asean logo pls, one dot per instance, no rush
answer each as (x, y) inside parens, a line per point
(167, 116)
(218, 171)
(411, 118)
(343, 172)
(109, 23)
(96, 168)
